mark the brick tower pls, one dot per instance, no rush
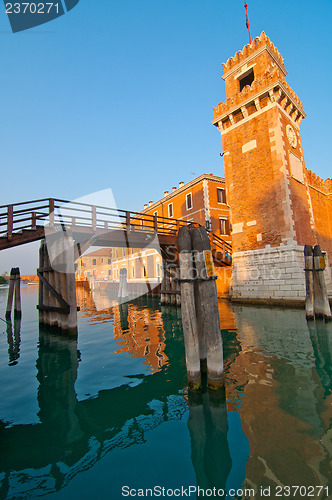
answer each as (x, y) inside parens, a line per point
(271, 210)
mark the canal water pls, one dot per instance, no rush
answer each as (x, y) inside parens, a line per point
(108, 415)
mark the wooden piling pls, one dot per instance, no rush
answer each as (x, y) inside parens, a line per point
(163, 284)
(167, 286)
(57, 288)
(41, 313)
(309, 281)
(123, 284)
(321, 302)
(14, 294)
(178, 295)
(207, 307)
(70, 290)
(173, 284)
(11, 293)
(17, 299)
(189, 321)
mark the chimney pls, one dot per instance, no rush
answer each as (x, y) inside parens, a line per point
(174, 188)
(181, 184)
(150, 203)
(145, 206)
(166, 193)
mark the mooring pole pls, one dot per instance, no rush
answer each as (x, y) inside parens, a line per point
(17, 303)
(14, 289)
(207, 307)
(322, 306)
(123, 284)
(189, 322)
(309, 281)
(41, 284)
(70, 290)
(11, 293)
(163, 283)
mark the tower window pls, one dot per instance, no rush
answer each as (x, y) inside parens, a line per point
(246, 79)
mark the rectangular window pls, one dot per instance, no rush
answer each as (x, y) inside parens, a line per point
(246, 79)
(224, 227)
(221, 195)
(170, 210)
(109, 261)
(189, 201)
(94, 262)
(102, 260)
(133, 272)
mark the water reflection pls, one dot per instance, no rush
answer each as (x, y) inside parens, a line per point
(321, 339)
(286, 402)
(74, 435)
(208, 428)
(14, 341)
(278, 398)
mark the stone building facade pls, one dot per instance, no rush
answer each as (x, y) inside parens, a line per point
(202, 200)
(277, 205)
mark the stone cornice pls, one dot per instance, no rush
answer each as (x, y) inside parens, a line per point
(169, 197)
(271, 76)
(277, 92)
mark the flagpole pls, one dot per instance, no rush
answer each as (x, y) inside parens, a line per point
(248, 26)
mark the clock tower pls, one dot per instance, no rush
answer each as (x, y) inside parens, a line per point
(272, 217)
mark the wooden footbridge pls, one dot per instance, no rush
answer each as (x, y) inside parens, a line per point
(30, 221)
(70, 228)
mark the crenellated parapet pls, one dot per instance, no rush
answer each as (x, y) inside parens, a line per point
(270, 76)
(250, 49)
(269, 89)
(316, 182)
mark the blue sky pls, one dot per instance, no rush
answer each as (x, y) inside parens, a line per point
(119, 94)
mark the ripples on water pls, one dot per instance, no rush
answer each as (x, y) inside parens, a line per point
(80, 418)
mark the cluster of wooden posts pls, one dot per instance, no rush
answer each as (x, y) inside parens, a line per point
(317, 301)
(57, 293)
(199, 307)
(14, 294)
(170, 293)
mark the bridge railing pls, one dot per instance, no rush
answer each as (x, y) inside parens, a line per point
(20, 216)
(28, 215)
(221, 248)
(75, 215)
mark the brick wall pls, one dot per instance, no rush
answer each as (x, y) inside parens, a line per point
(276, 205)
